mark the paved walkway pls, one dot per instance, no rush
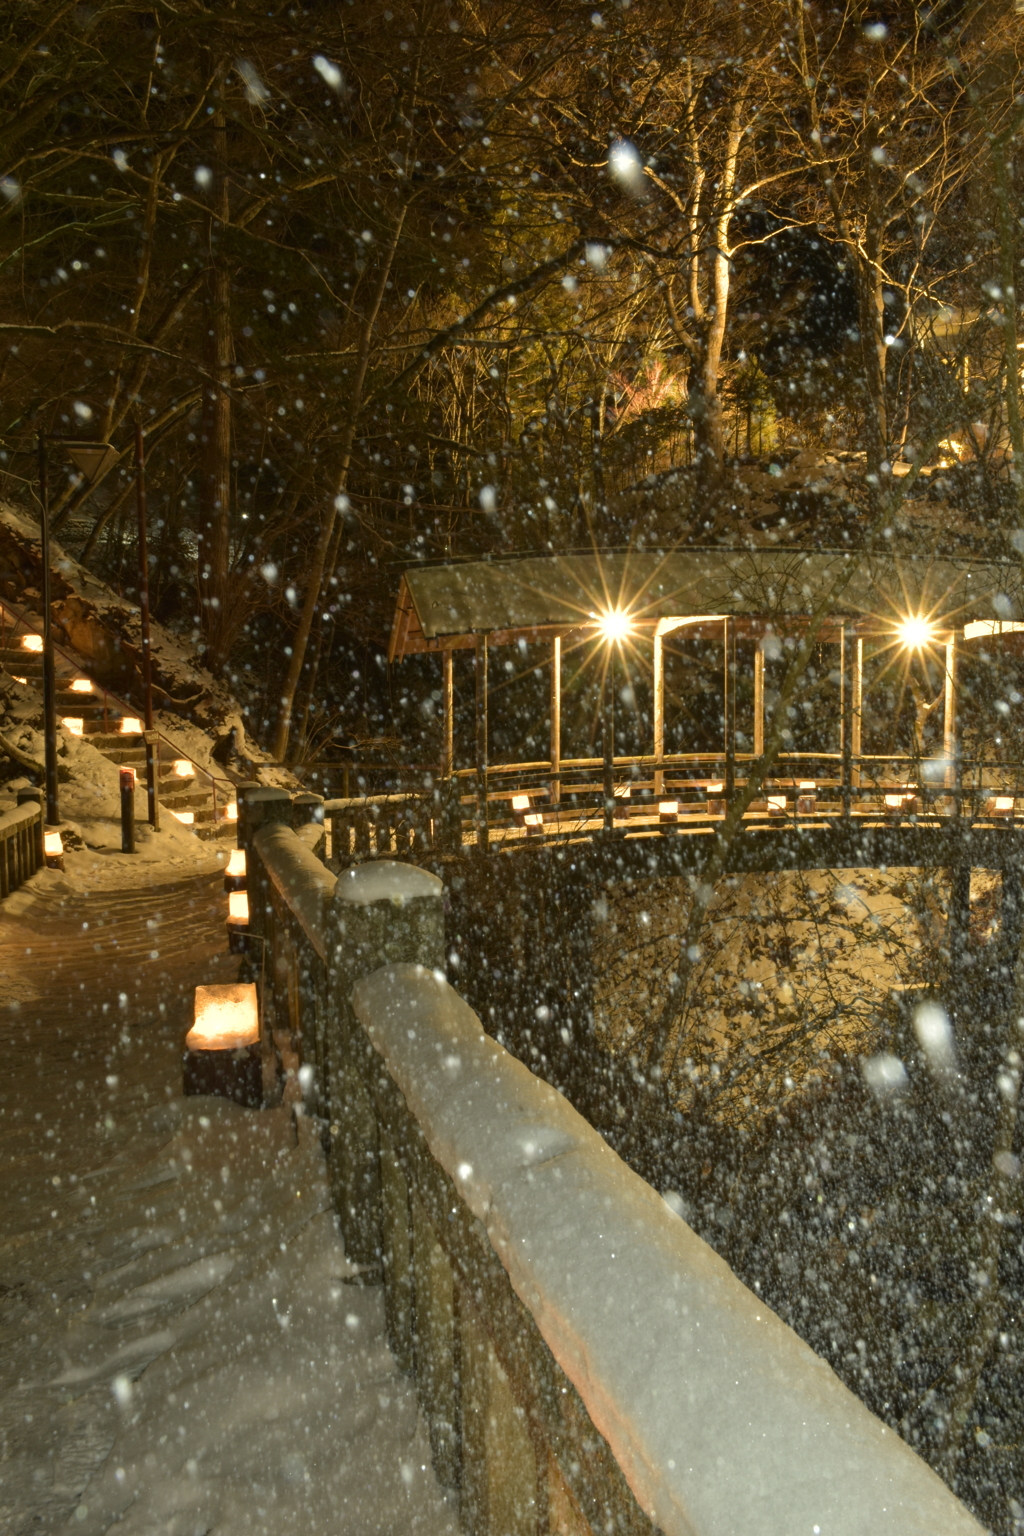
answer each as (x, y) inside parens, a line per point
(184, 1347)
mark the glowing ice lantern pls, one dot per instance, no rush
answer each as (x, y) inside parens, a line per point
(74, 723)
(183, 769)
(222, 1049)
(130, 726)
(81, 685)
(903, 801)
(235, 873)
(22, 680)
(668, 810)
(238, 922)
(520, 802)
(32, 643)
(1000, 805)
(776, 805)
(231, 810)
(806, 800)
(187, 818)
(716, 799)
(53, 850)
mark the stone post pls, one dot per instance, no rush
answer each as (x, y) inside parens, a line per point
(257, 809)
(36, 796)
(383, 913)
(308, 810)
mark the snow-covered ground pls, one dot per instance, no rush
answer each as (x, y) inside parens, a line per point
(184, 1347)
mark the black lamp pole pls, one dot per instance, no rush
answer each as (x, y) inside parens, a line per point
(152, 803)
(49, 678)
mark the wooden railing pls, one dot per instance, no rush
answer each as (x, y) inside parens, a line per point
(14, 623)
(585, 1363)
(21, 845)
(689, 794)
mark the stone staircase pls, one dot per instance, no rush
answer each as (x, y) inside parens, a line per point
(183, 790)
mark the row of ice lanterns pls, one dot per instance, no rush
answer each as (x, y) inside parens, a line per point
(222, 1048)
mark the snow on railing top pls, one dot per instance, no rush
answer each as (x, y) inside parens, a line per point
(721, 1419)
(383, 880)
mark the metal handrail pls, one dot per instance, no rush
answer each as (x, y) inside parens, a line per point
(7, 607)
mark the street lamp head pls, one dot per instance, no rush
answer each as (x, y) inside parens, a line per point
(915, 632)
(615, 625)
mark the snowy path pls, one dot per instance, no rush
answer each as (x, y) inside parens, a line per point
(183, 1346)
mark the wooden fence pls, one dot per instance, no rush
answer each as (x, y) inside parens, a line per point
(21, 845)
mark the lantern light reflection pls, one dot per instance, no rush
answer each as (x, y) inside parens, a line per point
(32, 643)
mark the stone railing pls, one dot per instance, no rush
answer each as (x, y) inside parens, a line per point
(21, 843)
(585, 1362)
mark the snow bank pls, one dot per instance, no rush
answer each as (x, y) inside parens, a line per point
(722, 1420)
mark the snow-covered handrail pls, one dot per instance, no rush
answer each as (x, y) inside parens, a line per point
(722, 1420)
(586, 1363)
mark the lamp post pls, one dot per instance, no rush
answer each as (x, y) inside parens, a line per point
(92, 459)
(150, 738)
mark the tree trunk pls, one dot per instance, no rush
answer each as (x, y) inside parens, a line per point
(315, 573)
(214, 554)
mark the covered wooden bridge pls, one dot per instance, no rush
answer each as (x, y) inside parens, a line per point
(636, 687)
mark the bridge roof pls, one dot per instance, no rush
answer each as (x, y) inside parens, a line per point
(445, 606)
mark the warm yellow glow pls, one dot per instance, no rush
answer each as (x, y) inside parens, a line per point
(32, 643)
(236, 863)
(716, 789)
(534, 819)
(991, 627)
(130, 726)
(73, 724)
(1001, 805)
(22, 680)
(807, 784)
(81, 685)
(777, 805)
(615, 625)
(915, 632)
(53, 844)
(520, 802)
(238, 908)
(668, 807)
(896, 802)
(187, 818)
(231, 810)
(226, 1018)
(183, 768)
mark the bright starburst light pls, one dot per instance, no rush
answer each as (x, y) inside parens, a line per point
(615, 625)
(915, 632)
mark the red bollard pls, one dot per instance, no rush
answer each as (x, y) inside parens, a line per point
(127, 776)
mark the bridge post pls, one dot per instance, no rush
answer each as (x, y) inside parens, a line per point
(556, 720)
(481, 741)
(848, 643)
(729, 706)
(608, 742)
(382, 913)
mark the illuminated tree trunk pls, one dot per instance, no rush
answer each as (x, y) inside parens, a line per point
(214, 553)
